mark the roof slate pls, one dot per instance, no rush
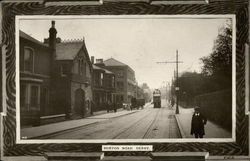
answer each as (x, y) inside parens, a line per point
(108, 72)
(28, 37)
(67, 51)
(113, 62)
(95, 67)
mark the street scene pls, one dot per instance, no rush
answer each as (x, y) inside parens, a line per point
(147, 123)
(107, 78)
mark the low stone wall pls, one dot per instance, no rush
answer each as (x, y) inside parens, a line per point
(52, 119)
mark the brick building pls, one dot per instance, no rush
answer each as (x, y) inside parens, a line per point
(35, 79)
(55, 79)
(103, 86)
(125, 80)
(71, 76)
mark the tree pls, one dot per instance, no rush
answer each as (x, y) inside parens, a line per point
(146, 92)
(216, 73)
(190, 84)
(218, 65)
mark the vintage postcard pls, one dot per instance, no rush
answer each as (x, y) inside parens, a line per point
(125, 78)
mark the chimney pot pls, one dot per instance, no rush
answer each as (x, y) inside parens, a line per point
(52, 36)
(99, 61)
(53, 24)
(92, 59)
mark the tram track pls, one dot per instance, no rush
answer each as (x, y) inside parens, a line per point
(132, 126)
(151, 126)
(130, 130)
(86, 128)
(79, 128)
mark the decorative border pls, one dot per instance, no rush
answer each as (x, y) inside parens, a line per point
(238, 7)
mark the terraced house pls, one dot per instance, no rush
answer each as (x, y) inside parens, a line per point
(125, 80)
(35, 79)
(103, 86)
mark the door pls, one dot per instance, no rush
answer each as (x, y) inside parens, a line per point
(79, 102)
(44, 101)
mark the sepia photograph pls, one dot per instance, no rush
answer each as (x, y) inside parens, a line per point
(126, 78)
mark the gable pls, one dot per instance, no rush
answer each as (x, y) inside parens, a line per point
(67, 51)
(72, 50)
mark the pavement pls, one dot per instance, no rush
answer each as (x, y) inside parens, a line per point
(32, 132)
(211, 129)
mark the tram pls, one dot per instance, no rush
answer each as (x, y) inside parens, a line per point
(157, 98)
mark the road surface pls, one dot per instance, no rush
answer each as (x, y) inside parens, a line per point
(148, 123)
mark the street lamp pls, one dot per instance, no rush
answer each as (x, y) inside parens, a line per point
(177, 84)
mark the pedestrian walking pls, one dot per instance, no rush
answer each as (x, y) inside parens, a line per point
(108, 104)
(197, 124)
(114, 105)
(172, 103)
(92, 107)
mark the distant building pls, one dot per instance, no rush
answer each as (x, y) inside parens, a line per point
(103, 86)
(139, 93)
(125, 80)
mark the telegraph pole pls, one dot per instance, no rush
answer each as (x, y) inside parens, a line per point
(177, 85)
(177, 88)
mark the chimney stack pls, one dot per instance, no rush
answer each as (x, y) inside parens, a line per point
(52, 36)
(92, 59)
(99, 62)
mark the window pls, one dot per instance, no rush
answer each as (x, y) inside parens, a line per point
(96, 79)
(82, 67)
(63, 70)
(85, 69)
(34, 96)
(120, 85)
(120, 74)
(79, 66)
(46, 96)
(23, 92)
(28, 59)
(101, 79)
(113, 82)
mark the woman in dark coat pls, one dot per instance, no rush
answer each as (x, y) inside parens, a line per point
(197, 124)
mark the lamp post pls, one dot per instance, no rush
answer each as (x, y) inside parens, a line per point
(177, 83)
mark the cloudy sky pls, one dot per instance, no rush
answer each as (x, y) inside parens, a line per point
(138, 42)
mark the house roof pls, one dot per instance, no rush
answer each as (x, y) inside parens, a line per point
(113, 62)
(68, 51)
(108, 72)
(95, 67)
(28, 37)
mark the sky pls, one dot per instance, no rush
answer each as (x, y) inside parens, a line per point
(138, 42)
